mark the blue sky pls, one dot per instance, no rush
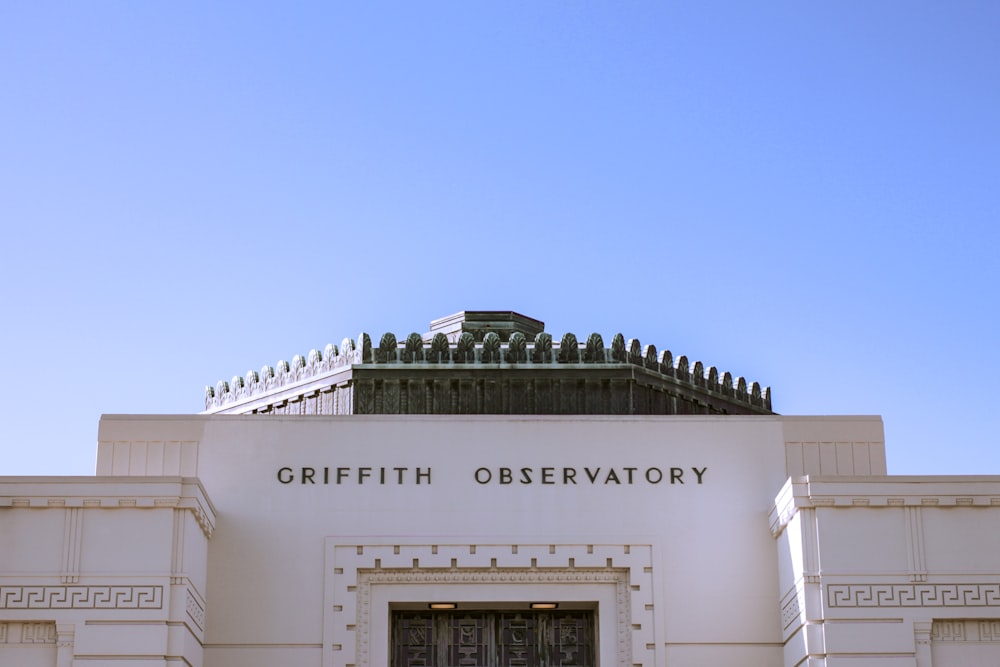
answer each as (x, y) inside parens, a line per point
(805, 194)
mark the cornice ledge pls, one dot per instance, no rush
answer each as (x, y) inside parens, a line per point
(879, 492)
(792, 496)
(190, 496)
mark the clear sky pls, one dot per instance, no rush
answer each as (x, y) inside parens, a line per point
(806, 194)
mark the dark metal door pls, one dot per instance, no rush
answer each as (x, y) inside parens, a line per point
(493, 639)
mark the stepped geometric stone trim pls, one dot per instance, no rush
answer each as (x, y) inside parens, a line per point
(195, 610)
(356, 568)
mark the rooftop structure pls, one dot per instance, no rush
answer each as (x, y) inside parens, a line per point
(488, 362)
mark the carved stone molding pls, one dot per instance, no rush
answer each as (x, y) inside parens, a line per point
(617, 577)
(802, 493)
(791, 612)
(966, 630)
(357, 568)
(71, 558)
(81, 597)
(913, 595)
(28, 633)
(195, 610)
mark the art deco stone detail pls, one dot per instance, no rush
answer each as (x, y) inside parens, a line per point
(913, 595)
(81, 597)
(791, 611)
(667, 363)
(618, 348)
(195, 610)
(595, 349)
(543, 347)
(490, 353)
(387, 349)
(28, 633)
(569, 350)
(683, 370)
(439, 348)
(346, 346)
(634, 354)
(649, 357)
(974, 631)
(365, 345)
(517, 348)
(414, 351)
(465, 348)
(356, 568)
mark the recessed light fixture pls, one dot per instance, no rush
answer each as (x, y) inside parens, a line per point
(442, 605)
(544, 605)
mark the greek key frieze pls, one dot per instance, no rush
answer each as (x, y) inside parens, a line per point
(913, 595)
(81, 597)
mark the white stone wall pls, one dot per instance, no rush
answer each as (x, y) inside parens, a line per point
(102, 571)
(281, 593)
(889, 571)
(659, 524)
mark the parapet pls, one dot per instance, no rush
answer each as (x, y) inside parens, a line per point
(488, 362)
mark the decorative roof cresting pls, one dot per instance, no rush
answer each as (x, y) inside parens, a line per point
(485, 347)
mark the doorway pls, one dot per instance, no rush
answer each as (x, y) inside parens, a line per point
(509, 638)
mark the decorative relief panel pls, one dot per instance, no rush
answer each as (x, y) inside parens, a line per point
(195, 610)
(965, 642)
(28, 633)
(966, 630)
(913, 595)
(791, 612)
(949, 631)
(81, 597)
(514, 638)
(356, 568)
(988, 630)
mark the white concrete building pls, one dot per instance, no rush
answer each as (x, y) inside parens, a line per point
(652, 524)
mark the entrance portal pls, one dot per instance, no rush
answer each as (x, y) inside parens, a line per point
(493, 639)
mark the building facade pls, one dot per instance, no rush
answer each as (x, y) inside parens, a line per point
(489, 497)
